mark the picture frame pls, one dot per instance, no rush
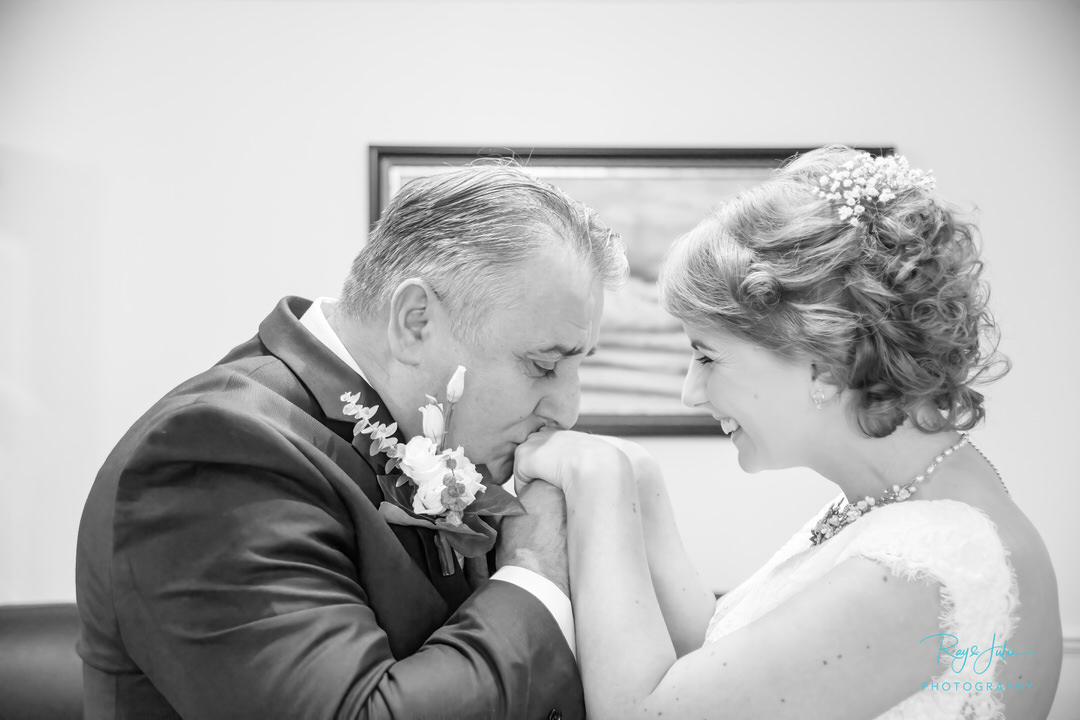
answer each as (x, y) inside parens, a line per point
(650, 196)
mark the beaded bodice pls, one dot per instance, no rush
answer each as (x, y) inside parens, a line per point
(946, 541)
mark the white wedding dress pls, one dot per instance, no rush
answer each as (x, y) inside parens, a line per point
(947, 541)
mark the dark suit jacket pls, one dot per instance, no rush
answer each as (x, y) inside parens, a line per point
(232, 564)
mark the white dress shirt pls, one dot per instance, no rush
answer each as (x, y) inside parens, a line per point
(539, 586)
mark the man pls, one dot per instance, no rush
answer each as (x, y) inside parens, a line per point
(232, 562)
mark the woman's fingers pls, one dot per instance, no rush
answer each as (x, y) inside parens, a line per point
(561, 457)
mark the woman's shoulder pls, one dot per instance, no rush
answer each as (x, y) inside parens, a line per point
(944, 513)
(927, 521)
(1037, 635)
(987, 559)
(951, 541)
(950, 531)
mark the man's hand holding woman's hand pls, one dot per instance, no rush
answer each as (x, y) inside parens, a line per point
(584, 470)
(575, 461)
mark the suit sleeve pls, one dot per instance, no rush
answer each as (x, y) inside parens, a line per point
(238, 593)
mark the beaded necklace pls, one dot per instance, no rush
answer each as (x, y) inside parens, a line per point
(836, 518)
(992, 467)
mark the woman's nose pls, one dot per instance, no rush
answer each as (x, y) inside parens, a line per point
(693, 389)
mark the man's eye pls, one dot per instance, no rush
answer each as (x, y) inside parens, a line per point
(543, 369)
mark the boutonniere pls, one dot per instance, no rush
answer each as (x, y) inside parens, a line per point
(436, 487)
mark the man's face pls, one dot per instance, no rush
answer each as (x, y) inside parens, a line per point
(525, 375)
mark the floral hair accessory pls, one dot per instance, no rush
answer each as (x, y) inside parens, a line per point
(438, 487)
(870, 182)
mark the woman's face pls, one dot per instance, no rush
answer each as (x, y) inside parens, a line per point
(762, 399)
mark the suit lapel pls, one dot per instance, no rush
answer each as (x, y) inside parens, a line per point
(324, 374)
(326, 378)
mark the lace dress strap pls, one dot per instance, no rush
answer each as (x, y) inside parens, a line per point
(957, 546)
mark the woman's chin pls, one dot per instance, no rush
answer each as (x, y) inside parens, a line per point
(748, 459)
(746, 467)
(753, 462)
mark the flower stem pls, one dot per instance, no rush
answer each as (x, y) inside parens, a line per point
(446, 427)
(446, 554)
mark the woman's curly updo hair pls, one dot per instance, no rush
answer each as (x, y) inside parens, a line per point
(890, 306)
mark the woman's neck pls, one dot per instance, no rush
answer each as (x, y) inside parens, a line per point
(863, 466)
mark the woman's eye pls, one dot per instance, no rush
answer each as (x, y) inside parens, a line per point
(702, 360)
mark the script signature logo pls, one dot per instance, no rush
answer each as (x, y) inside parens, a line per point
(949, 645)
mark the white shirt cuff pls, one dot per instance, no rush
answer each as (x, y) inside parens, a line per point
(548, 593)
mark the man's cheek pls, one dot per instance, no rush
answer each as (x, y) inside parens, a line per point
(501, 468)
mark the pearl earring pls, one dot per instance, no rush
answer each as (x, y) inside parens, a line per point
(819, 398)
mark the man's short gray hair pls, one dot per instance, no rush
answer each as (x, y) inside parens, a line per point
(463, 232)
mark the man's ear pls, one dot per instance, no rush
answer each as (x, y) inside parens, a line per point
(412, 309)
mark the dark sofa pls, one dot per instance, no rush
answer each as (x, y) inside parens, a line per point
(40, 673)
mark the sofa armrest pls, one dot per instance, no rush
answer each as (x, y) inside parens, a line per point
(40, 672)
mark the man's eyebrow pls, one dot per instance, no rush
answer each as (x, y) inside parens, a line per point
(566, 350)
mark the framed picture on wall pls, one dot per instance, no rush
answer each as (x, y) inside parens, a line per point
(632, 385)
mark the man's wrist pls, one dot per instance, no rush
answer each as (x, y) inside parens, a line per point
(550, 596)
(529, 560)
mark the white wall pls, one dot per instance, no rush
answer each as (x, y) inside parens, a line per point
(168, 170)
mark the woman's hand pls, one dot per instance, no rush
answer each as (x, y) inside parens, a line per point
(685, 600)
(645, 468)
(573, 461)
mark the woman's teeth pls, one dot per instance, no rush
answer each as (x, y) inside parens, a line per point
(728, 425)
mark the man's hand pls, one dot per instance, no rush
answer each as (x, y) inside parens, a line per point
(537, 541)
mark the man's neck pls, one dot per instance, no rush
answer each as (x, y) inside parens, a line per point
(366, 342)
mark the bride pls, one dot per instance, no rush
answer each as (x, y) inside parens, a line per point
(838, 322)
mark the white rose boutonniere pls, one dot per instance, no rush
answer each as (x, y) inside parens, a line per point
(438, 487)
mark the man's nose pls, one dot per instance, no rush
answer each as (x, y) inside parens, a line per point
(693, 388)
(561, 405)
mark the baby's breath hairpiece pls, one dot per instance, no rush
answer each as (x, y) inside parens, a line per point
(870, 182)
